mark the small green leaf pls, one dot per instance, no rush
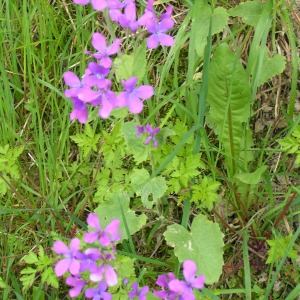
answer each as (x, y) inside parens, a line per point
(252, 178)
(112, 209)
(249, 11)
(31, 258)
(3, 285)
(135, 144)
(132, 65)
(203, 244)
(145, 186)
(49, 277)
(271, 66)
(201, 21)
(278, 248)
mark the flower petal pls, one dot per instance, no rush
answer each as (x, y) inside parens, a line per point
(74, 267)
(114, 47)
(60, 248)
(166, 40)
(177, 285)
(90, 237)
(152, 41)
(98, 41)
(62, 266)
(144, 91)
(71, 79)
(165, 25)
(75, 244)
(189, 270)
(99, 4)
(135, 105)
(198, 282)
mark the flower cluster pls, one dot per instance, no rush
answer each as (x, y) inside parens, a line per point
(94, 260)
(151, 133)
(91, 269)
(94, 88)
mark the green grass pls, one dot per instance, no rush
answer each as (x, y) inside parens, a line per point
(40, 40)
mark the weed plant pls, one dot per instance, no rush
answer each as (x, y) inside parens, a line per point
(203, 169)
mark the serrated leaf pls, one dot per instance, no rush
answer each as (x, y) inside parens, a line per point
(249, 11)
(132, 65)
(229, 98)
(135, 144)
(31, 258)
(145, 186)
(49, 277)
(28, 277)
(201, 20)
(271, 66)
(278, 248)
(112, 209)
(203, 244)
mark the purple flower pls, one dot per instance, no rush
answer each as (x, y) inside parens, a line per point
(99, 293)
(78, 283)
(132, 95)
(80, 111)
(151, 131)
(105, 236)
(81, 2)
(70, 261)
(163, 282)
(128, 19)
(106, 271)
(141, 294)
(88, 259)
(158, 35)
(185, 288)
(74, 82)
(96, 75)
(104, 53)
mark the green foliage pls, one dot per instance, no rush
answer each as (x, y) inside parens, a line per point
(204, 195)
(271, 66)
(202, 13)
(249, 11)
(229, 100)
(203, 244)
(278, 248)
(116, 208)
(86, 141)
(145, 186)
(8, 166)
(134, 144)
(291, 144)
(42, 265)
(130, 65)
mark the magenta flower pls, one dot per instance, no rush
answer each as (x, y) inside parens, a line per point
(99, 4)
(104, 52)
(96, 75)
(78, 283)
(74, 82)
(151, 131)
(158, 35)
(88, 259)
(80, 111)
(133, 95)
(105, 271)
(99, 293)
(163, 282)
(128, 19)
(185, 288)
(106, 236)
(141, 294)
(70, 261)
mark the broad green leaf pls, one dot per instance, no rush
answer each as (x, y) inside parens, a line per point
(229, 98)
(249, 11)
(145, 186)
(201, 20)
(252, 178)
(203, 244)
(135, 144)
(132, 65)
(112, 209)
(271, 67)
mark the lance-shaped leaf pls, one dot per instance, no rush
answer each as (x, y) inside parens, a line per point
(229, 98)
(203, 244)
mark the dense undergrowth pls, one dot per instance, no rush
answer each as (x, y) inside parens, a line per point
(224, 177)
